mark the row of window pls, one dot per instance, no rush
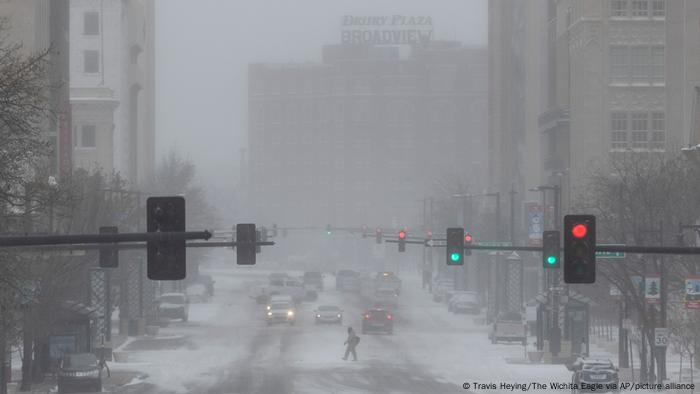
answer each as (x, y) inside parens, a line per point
(638, 130)
(637, 63)
(638, 8)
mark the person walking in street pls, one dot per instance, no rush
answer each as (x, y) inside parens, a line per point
(351, 344)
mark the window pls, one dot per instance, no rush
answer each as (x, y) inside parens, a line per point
(91, 24)
(635, 64)
(658, 8)
(638, 130)
(640, 127)
(658, 130)
(87, 136)
(618, 8)
(619, 130)
(91, 62)
(640, 8)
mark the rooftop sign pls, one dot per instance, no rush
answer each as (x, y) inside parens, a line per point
(386, 30)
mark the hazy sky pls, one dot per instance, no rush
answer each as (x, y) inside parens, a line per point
(203, 48)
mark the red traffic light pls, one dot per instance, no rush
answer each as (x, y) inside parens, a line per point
(402, 234)
(579, 230)
(378, 231)
(430, 234)
(468, 238)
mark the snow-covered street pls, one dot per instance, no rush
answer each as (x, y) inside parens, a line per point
(227, 347)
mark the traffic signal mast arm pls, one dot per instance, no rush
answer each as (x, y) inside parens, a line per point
(37, 240)
(598, 248)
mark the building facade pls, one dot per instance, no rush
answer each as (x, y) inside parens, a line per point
(621, 77)
(362, 136)
(113, 86)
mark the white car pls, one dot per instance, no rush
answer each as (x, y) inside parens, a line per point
(281, 312)
(328, 314)
(464, 303)
(174, 306)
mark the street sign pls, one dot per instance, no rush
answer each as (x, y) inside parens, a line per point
(610, 255)
(435, 242)
(692, 292)
(615, 291)
(535, 222)
(493, 243)
(652, 289)
(661, 336)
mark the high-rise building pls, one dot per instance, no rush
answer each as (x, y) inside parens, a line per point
(113, 86)
(362, 136)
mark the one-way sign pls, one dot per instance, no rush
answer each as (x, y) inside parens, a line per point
(434, 242)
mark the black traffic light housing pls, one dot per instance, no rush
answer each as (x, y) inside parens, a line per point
(109, 255)
(551, 250)
(166, 259)
(245, 243)
(468, 241)
(579, 248)
(455, 246)
(402, 241)
(378, 235)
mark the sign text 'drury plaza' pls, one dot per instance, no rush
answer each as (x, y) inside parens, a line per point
(386, 30)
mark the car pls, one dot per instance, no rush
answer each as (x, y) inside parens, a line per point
(313, 280)
(208, 282)
(593, 375)
(174, 306)
(388, 280)
(388, 298)
(347, 280)
(464, 303)
(289, 286)
(378, 319)
(509, 326)
(281, 312)
(277, 276)
(197, 292)
(278, 298)
(78, 372)
(328, 314)
(440, 287)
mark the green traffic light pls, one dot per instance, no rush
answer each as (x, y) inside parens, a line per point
(551, 260)
(454, 257)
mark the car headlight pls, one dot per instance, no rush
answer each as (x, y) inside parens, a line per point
(318, 315)
(339, 315)
(290, 313)
(269, 313)
(269, 307)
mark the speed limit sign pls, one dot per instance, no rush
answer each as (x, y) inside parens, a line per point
(661, 336)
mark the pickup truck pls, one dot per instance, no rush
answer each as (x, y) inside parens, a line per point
(509, 326)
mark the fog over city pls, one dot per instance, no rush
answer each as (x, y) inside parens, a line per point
(349, 196)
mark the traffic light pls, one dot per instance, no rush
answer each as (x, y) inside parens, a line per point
(166, 259)
(329, 229)
(109, 256)
(245, 243)
(429, 235)
(378, 235)
(579, 248)
(402, 241)
(550, 249)
(455, 246)
(468, 240)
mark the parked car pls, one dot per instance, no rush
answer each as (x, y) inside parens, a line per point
(346, 280)
(378, 319)
(79, 372)
(509, 326)
(313, 280)
(328, 314)
(281, 312)
(589, 375)
(174, 306)
(465, 302)
(208, 282)
(440, 287)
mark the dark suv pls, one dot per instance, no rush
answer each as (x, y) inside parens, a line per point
(346, 280)
(313, 279)
(378, 319)
(79, 372)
